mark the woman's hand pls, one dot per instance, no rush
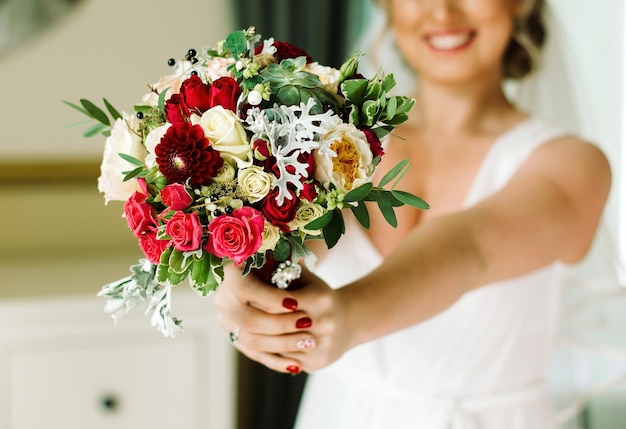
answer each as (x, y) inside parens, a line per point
(287, 331)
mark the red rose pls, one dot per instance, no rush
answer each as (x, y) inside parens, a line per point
(176, 197)
(151, 246)
(309, 192)
(260, 149)
(225, 92)
(185, 230)
(184, 153)
(286, 50)
(197, 94)
(375, 146)
(176, 110)
(280, 215)
(140, 216)
(237, 236)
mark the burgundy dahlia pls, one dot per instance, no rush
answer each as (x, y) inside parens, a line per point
(286, 50)
(184, 153)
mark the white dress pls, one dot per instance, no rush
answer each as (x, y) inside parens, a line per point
(479, 364)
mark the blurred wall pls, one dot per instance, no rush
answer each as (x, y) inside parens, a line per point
(58, 235)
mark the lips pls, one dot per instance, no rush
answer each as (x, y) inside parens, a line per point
(450, 41)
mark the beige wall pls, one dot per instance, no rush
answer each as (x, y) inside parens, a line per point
(59, 237)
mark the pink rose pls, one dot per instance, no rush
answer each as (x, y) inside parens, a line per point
(185, 230)
(151, 246)
(140, 216)
(176, 197)
(237, 236)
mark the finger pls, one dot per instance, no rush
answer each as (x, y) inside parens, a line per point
(271, 360)
(277, 344)
(259, 294)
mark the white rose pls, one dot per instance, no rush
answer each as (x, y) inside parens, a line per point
(271, 234)
(122, 140)
(152, 140)
(227, 172)
(255, 183)
(328, 75)
(218, 67)
(222, 127)
(306, 214)
(351, 164)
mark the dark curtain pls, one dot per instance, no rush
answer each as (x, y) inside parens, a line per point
(326, 30)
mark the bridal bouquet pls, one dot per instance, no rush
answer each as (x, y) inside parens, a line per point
(243, 153)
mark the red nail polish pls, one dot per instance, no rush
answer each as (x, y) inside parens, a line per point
(304, 322)
(290, 303)
(293, 369)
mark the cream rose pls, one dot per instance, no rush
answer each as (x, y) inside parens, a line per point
(223, 129)
(328, 76)
(171, 82)
(350, 165)
(218, 67)
(152, 140)
(122, 140)
(270, 235)
(306, 214)
(255, 183)
(227, 172)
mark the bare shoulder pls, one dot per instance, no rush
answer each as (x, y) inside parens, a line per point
(574, 164)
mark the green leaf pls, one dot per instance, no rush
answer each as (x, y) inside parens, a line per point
(94, 129)
(202, 275)
(353, 90)
(359, 193)
(112, 110)
(161, 102)
(132, 174)
(320, 222)
(388, 82)
(131, 159)
(392, 105)
(179, 263)
(361, 214)
(95, 112)
(334, 230)
(386, 208)
(410, 199)
(391, 174)
(77, 107)
(236, 43)
(369, 112)
(282, 250)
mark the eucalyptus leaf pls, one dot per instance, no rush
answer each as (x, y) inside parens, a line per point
(236, 43)
(77, 107)
(161, 102)
(386, 208)
(131, 159)
(112, 110)
(335, 229)
(94, 129)
(359, 193)
(410, 199)
(320, 222)
(361, 214)
(128, 175)
(391, 174)
(95, 112)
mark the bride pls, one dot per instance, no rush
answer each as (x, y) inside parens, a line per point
(450, 319)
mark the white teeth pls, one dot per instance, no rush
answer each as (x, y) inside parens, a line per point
(448, 41)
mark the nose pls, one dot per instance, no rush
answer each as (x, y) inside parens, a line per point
(443, 10)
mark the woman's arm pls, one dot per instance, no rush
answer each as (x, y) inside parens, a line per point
(549, 211)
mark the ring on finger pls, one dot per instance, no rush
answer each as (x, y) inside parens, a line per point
(306, 343)
(233, 335)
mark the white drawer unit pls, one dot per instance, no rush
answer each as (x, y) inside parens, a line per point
(64, 365)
